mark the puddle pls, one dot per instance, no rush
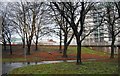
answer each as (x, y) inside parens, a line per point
(8, 66)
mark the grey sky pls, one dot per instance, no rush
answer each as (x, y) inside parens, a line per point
(60, 0)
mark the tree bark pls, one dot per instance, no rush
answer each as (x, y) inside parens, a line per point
(78, 51)
(65, 51)
(28, 49)
(65, 46)
(23, 40)
(10, 48)
(112, 47)
(36, 44)
(118, 53)
(60, 47)
(4, 45)
(4, 41)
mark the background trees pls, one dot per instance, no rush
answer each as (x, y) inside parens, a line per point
(7, 28)
(29, 20)
(17, 14)
(64, 27)
(112, 19)
(118, 7)
(75, 18)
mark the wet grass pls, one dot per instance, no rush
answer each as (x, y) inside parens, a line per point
(12, 59)
(48, 48)
(71, 50)
(69, 68)
(34, 59)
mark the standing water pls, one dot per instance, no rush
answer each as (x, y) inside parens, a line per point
(6, 67)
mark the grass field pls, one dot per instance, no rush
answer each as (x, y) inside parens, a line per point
(71, 49)
(19, 56)
(69, 68)
(88, 67)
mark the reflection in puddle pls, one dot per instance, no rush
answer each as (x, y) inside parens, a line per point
(6, 67)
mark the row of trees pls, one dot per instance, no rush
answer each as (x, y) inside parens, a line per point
(28, 19)
(75, 16)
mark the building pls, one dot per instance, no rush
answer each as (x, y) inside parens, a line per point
(100, 35)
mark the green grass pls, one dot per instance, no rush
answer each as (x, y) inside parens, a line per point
(69, 68)
(73, 50)
(12, 59)
(90, 51)
(48, 48)
(20, 59)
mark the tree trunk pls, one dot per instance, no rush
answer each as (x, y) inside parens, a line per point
(65, 51)
(65, 46)
(36, 44)
(28, 49)
(118, 53)
(4, 45)
(78, 51)
(60, 47)
(23, 40)
(112, 48)
(113, 41)
(10, 48)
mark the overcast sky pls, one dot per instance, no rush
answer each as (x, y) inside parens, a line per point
(60, 0)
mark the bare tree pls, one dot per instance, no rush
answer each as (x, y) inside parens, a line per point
(30, 22)
(26, 17)
(3, 35)
(8, 34)
(118, 7)
(64, 27)
(75, 18)
(66, 30)
(7, 28)
(112, 19)
(3, 15)
(39, 23)
(18, 14)
(42, 22)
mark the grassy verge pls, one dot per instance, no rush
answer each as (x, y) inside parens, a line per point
(48, 48)
(69, 68)
(20, 59)
(12, 59)
(72, 50)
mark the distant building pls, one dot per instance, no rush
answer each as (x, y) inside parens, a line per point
(48, 42)
(101, 35)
